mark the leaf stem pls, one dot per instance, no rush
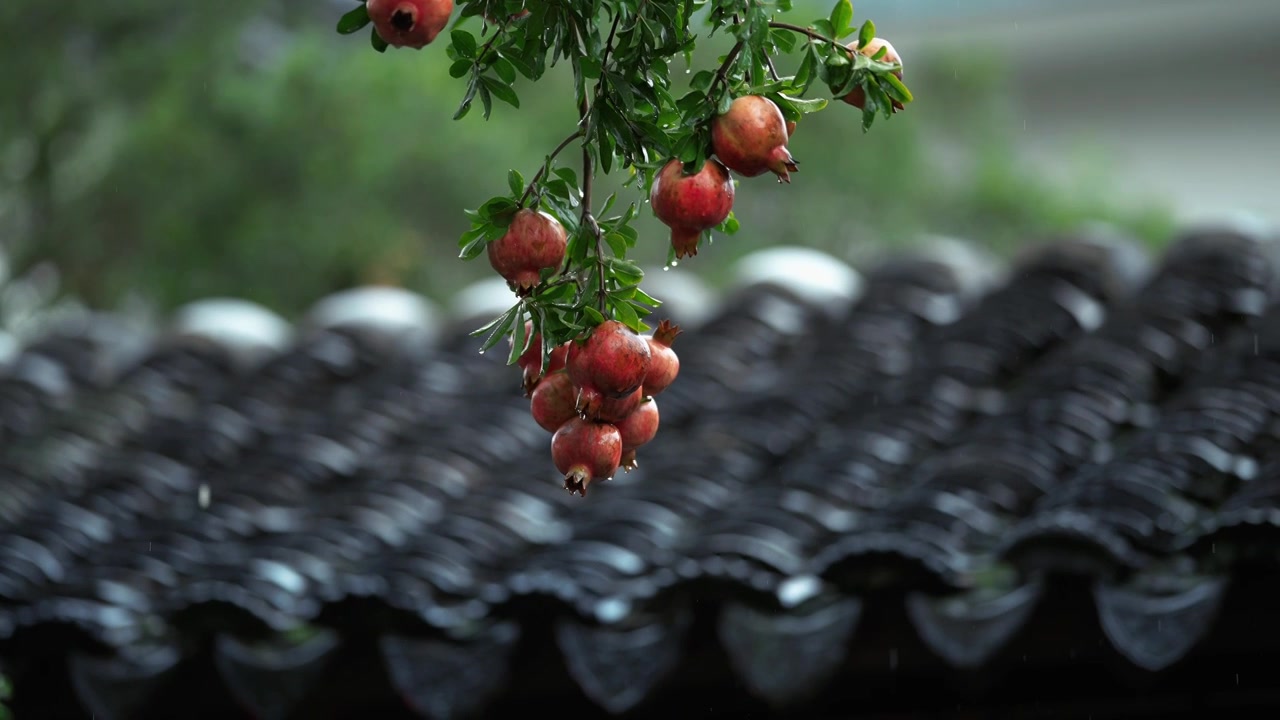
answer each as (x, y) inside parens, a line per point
(484, 49)
(811, 33)
(543, 170)
(821, 38)
(588, 218)
(722, 75)
(773, 70)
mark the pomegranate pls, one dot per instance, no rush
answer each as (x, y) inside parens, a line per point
(586, 451)
(664, 366)
(409, 23)
(791, 129)
(609, 365)
(751, 138)
(552, 403)
(534, 241)
(615, 410)
(637, 429)
(690, 204)
(858, 96)
(531, 360)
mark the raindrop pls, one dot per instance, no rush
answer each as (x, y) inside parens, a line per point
(666, 268)
(481, 352)
(203, 496)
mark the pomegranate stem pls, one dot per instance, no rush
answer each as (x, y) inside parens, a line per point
(543, 170)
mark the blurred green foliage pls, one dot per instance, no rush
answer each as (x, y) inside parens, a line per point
(243, 148)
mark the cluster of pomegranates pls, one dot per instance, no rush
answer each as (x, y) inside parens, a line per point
(750, 139)
(596, 397)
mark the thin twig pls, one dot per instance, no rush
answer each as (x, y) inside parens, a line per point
(773, 71)
(811, 33)
(543, 170)
(484, 49)
(588, 218)
(722, 75)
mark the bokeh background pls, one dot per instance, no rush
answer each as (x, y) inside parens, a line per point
(154, 153)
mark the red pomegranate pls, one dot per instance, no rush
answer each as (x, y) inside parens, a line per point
(534, 241)
(409, 23)
(690, 204)
(552, 403)
(586, 451)
(664, 365)
(858, 96)
(615, 410)
(609, 365)
(531, 360)
(636, 430)
(751, 138)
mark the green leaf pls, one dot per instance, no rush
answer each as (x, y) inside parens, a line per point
(515, 181)
(495, 323)
(895, 89)
(593, 315)
(503, 329)
(644, 297)
(502, 91)
(617, 243)
(805, 74)
(464, 43)
(784, 40)
(354, 20)
(376, 40)
(474, 249)
(824, 27)
(841, 16)
(459, 68)
(626, 271)
(465, 106)
(808, 105)
(726, 100)
(866, 34)
(884, 50)
(470, 235)
(626, 315)
(521, 339)
(730, 225)
(505, 70)
(486, 100)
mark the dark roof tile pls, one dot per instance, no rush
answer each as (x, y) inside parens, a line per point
(930, 438)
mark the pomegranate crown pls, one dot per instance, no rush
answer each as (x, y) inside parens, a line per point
(666, 333)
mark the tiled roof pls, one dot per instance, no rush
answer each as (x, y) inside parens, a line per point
(927, 465)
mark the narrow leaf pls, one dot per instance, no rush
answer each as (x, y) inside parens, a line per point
(503, 329)
(841, 16)
(520, 339)
(354, 20)
(515, 182)
(376, 40)
(866, 34)
(895, 89)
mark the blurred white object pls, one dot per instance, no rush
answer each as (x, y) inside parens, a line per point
(387, 310)
(685, 298)
(485, 299)
(250, 332)
(975, 269)
(816, 277)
